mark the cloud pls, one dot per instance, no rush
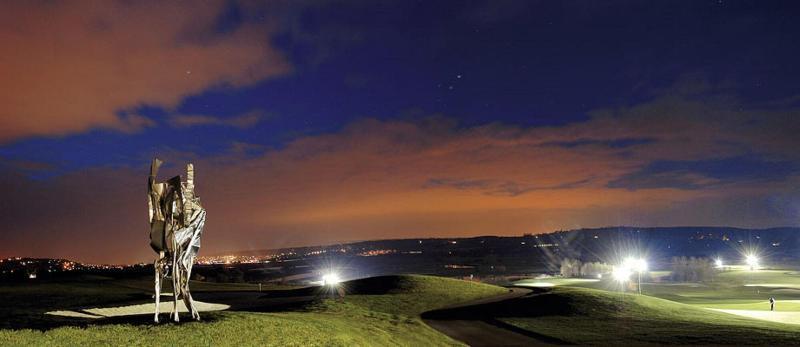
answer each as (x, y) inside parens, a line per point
(616, 143)
(243, 121)
(705, 173)
(713, 161)
(69, 67)
(498, 187)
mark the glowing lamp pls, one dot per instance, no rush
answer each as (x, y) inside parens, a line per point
(331, 279)
(621, 273)
(752, 261)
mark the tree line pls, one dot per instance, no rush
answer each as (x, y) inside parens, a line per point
(691, 269)
(684, 269)
(575, 268)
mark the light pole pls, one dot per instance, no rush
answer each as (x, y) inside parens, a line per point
(622, 274)
(639, 286)
(638, 265)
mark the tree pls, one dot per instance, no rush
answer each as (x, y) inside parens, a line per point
(570, 267)
(692, 269)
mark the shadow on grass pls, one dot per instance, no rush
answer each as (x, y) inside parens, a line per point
(32, 316)
(379, 285)
(26, 309)
(530, 305)
(44, 322)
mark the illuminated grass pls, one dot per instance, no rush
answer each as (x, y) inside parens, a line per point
(587, 316)
(412, 295)
(553, 282)
(238, 328)
(381, 312)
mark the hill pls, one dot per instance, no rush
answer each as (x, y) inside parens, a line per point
(378, 311)
(590, 316)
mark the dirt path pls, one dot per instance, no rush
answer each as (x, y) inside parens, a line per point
(470, 327)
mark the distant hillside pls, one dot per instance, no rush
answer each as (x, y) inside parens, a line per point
(661, 241)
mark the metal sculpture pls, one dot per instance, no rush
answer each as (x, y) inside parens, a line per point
(176, 224)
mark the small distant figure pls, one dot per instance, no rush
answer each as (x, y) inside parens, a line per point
(772, 304)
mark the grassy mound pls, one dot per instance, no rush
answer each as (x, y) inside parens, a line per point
(378, 311)
(410, 295)
(588, 316)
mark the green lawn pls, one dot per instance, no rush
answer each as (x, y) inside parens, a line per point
(24, 304)
(381, 311)
(597, 312)
(734, 288)
(412, 295)
(589, 316)
(557, 281)
(385, 311)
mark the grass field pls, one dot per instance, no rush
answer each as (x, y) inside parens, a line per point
(732, 309)
(590, 316)
(386, 311)
(380, 311)
(740, 289)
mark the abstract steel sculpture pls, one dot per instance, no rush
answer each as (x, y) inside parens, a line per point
(176, 224)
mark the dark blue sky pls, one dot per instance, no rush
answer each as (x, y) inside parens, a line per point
(524, 63)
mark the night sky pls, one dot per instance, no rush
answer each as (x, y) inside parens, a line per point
(318, 122)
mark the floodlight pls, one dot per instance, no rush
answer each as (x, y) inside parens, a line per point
(635, 265)
(621, 273)
(330, 279)
(629, 263)
(752, 261)
(628, 267)
(640, 265)
(718, 263)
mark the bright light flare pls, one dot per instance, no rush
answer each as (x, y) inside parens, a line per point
(635, 265)
(752, 261)
(621, 273)
(331, 279)
(718, 263)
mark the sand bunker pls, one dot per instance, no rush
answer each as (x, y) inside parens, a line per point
(773, 316)
(132, 310)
